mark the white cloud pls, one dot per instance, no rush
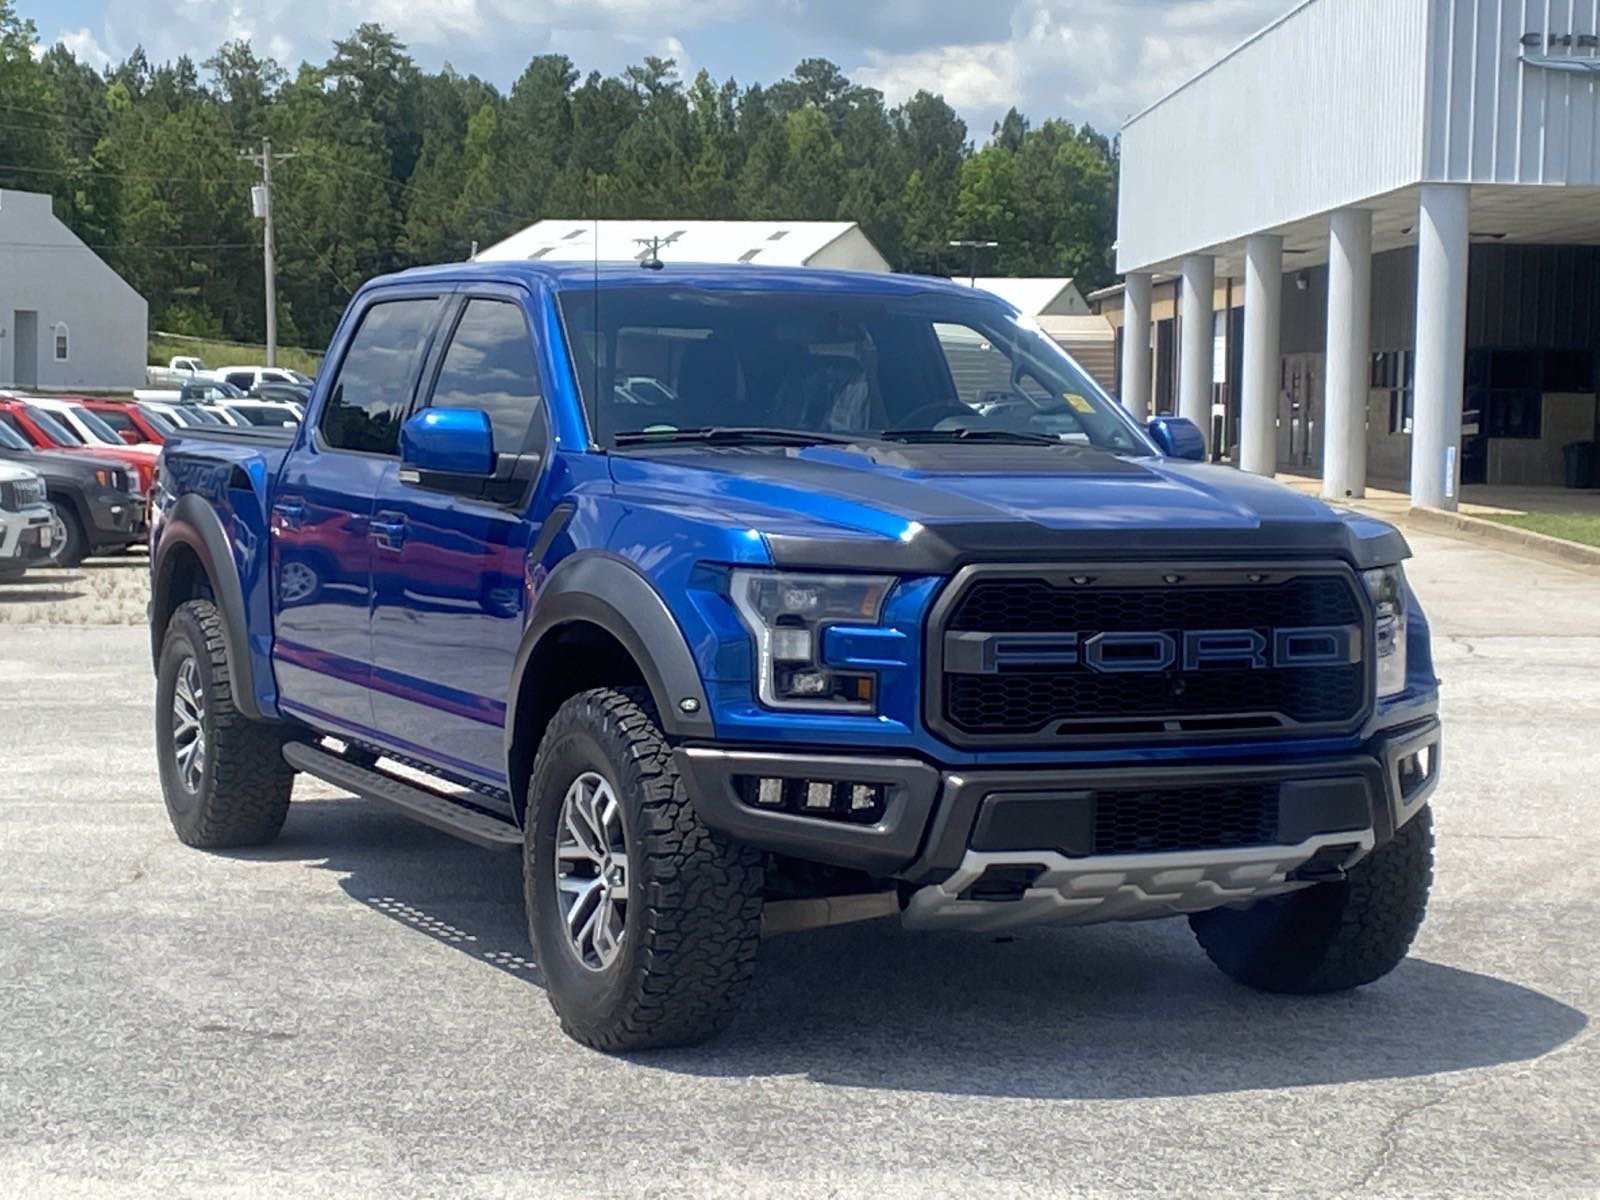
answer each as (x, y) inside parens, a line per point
(1095, 61)
(967, 76)
(81, 44)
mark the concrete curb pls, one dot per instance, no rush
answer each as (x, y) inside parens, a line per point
(1506, 537)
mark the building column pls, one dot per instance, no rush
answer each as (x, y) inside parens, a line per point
(1136, 393)
(1196, 370)
(1443, 248)
(1349, 373)
(1263, 303)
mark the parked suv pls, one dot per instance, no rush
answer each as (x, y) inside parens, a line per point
(879, 606)
(25, 520)
(92, 505)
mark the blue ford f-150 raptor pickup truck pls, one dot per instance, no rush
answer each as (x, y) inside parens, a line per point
(736, 597)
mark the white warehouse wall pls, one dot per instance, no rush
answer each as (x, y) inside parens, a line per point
(1321, 109)
(1494, 118)
(46, 269)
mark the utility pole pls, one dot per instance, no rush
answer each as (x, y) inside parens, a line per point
(974, 245)
(261, 199)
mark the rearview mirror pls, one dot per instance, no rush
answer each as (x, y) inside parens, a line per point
(447, 441)
(1178, 437)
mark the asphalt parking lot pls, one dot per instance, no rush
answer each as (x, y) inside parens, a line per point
(352, 1011)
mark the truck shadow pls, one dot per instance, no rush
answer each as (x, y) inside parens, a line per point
(1108, 1012)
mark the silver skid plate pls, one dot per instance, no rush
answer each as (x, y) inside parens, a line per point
(1120, 887)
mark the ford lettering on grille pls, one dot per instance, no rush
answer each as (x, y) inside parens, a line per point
(1132, 651)
(1136, 653)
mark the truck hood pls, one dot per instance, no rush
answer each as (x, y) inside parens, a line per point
(935, 506)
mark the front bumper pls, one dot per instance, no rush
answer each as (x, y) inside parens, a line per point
(944, 830)
(117, 518)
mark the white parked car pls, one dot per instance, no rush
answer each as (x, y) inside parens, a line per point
(25, 521)
(184, 416)
(182, 369)
(245, 378)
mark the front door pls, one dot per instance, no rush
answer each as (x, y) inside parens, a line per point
(448, 569)
(322, 542)
(25, 361)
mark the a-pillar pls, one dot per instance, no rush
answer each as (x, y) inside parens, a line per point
(1136, 345)
(1443, 247)
(1344, 409)
(1263, 300)
(1199, 342)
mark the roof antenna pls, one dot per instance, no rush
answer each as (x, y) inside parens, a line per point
(650, 260)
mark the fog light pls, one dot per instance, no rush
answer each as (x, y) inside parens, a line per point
(819, 795)
(864, 796)
(769, 793)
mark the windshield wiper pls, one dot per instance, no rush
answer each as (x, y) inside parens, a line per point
(731, 434)
(966, 434)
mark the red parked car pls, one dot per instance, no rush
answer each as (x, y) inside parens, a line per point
(132, 423)
(46, 431)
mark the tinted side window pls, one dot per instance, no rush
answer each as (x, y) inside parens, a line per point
(491, 366)
(369, 396)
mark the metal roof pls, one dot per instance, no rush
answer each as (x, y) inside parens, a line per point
(1031, 296)
(767, 243)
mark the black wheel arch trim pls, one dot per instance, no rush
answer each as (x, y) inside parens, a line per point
(609, 592)
(194, 524)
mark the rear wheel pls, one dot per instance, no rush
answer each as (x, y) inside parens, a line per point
(223, 777)
(1333, 936)
(69, 544)
(645, 923)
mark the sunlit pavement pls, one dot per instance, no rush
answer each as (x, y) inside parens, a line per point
(353, 1011)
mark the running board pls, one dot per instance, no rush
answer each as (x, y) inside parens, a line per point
(430, 808)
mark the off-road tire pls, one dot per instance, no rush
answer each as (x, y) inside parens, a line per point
(243, 793)
(693, 921)
(74, 541)
(1333, 936)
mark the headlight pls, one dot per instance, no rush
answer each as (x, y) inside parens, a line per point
(1387, 587)
(786, 614)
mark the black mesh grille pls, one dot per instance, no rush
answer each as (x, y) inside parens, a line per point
(1206, 817)
(1025, 699)
(1035, 606)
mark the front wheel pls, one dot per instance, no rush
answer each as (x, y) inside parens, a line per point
(1332, 936)
(644, 922)
(69, 544)
(224, 777)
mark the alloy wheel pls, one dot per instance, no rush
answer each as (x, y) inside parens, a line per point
(592, 871)
(188, 727)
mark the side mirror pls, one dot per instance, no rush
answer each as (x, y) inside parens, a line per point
(446, 441)
(1178, 437)
(130, 437)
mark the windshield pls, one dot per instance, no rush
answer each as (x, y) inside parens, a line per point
(196, 415)
(162, 424)
(53, 429)
(928, 367)
(10, 439)
(95, 424)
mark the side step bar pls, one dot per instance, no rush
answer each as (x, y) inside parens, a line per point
(430, 808)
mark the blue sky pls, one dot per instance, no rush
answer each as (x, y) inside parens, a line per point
(1086, 60)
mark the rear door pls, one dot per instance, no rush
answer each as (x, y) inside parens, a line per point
(449, 568)
(322, 510)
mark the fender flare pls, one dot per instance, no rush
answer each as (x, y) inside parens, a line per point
(610, 592)
(194, 523)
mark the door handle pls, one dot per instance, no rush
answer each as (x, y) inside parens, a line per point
(389, 534)
(291, 512)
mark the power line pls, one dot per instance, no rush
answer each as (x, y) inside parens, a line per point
(407, 186)
(110, 246)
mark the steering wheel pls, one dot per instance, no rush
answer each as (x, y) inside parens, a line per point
(931, 416)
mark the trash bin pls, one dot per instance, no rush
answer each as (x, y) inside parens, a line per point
(1580, 463)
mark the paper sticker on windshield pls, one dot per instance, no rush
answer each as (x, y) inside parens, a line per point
(1078, 403)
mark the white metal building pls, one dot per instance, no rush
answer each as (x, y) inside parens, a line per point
(1405, 195)
(1063, 313)
(839, 244)
(67, 320)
